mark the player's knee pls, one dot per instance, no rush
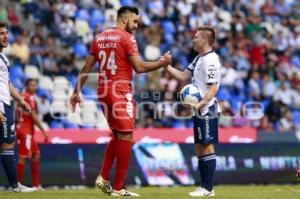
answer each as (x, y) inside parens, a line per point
(36, 157)
(204, 149)
(125, 136)
(21, 160)
(8, 145)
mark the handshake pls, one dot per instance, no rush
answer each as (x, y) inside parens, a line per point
(165, 59)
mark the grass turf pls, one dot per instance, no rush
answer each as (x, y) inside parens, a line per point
(230, 192)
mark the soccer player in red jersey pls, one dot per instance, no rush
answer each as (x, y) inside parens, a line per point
(28, 147)
(298, 174)
(116, 52)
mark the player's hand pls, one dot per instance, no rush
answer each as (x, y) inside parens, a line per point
(197, 106)
(25, 106)
(75, 98)
(166, 59)
(2, 118)
(298, 175)
(46, 137)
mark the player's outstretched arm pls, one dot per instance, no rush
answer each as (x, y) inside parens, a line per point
(82, 77)
(143, 67)
(179, 75)
(16, 96)
(37, 122)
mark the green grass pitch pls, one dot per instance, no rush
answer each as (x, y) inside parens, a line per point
(230, 192)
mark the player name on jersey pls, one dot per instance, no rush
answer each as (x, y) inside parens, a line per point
(107, 45)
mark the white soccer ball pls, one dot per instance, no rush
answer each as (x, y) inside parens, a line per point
(190, 94)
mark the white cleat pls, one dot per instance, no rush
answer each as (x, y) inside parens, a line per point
(39, 188)
(103, 185)
(22, 189)
(123, 192)
(201, 192)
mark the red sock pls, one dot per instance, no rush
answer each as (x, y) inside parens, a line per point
(122, 162)
(109, 158)
(20, 171)
(35, 173)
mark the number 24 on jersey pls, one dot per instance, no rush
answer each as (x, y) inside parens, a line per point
(110, 61)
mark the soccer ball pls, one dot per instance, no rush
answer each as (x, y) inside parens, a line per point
(190, 94)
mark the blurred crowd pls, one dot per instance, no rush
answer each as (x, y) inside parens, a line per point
(258, 42)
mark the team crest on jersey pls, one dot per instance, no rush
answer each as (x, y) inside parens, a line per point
(12, 128)
(211, 75)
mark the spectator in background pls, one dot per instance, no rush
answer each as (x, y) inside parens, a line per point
(254, 85)
(20, 51)
(13, 19)
(229, 74)
(50, 45)
(296, 97)
(274, 111)
(43, 105)
(50, 67)
(268, 87)
(37, 51)
(3, 13)
(67, 66)
(265, 125)
(67, 31)
(284, 94)
(286, 122)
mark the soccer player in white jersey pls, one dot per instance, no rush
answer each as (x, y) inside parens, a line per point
(205, 72)
(7, 126)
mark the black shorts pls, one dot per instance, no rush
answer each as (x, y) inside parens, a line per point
(7, 128)
(206, 126)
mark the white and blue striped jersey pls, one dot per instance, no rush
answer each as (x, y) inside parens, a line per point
(4, 80)
(206, 70)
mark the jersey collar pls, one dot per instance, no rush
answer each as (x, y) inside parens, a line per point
(207, 53)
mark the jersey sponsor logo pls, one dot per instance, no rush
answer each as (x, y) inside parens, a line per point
(199, 133)
(5, 132)
(129, 105)
(108, 38)
(207, 130)
(28, 142)
(12, 128)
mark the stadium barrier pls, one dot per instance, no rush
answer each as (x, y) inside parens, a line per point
(157, 135)
(168, 164)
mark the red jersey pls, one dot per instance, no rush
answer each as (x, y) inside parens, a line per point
(112, 49)
(24, 121)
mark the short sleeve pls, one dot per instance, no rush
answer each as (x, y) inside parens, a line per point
(93, 48)
(212, 71)
(192, 65)
(131, 47)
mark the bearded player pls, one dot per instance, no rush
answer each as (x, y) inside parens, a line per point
(116, 52)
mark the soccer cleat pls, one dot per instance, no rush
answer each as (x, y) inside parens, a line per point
(103, 185)
(21, 188)
(39, 188)
(201, 192)
(123, 192)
